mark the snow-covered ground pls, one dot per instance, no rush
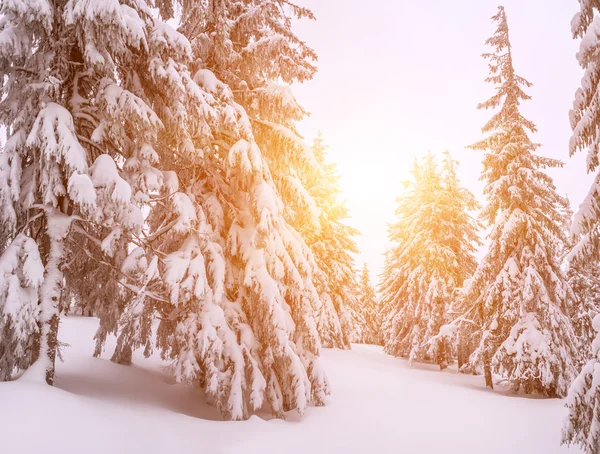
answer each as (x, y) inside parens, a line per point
(379, 405)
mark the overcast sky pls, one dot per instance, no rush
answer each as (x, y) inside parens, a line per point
(400, 77)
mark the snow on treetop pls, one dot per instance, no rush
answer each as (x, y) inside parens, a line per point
(134, 25)
(149, 153)
(105, 11)
(589, 42)
(14, 42)
(25, 249)
(246, 156)
(526, 338)
(135, 261)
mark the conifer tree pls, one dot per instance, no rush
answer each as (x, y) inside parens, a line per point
(369, 308)
(519, 296)
(432, 254)
(583, 402)
(585, 283)
(251, 47)
(65, 68)
(242, 303)
(585, 118)
(333, 244)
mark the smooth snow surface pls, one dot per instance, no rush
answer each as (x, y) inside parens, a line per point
(379, 405)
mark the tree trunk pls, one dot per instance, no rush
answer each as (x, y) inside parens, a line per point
(57, 228)
(460, 353)
(442, 355)
(123, 354)
(487, 372)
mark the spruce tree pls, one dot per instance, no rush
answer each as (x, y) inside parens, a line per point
(258, 59)
(369, 308)
(432, 254)
(583, 402)
(584, 279)
(239, 273)
(519, 295)
(333, 245)
(585, 118)
(69, 114)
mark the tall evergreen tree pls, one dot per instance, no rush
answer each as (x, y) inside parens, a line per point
(585, 118)
(369, 309)
(251, 47)
(432, 254)
(584, 279)
(73, 108)
(583, 400)
(333, 244)
(519, 296)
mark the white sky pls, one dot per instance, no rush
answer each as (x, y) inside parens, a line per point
(400, 77)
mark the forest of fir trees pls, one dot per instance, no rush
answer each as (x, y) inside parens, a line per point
(153, 176)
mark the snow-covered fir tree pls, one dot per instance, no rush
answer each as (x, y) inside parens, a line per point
(432, 254)
(368, 308)
(519, 296)
(63, 67)
(241, 317)
(251, 47)
(585, 121)
(585, 118)
(584, 280)
(583, 402)
(333, 244)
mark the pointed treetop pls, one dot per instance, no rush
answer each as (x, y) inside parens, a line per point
(502, 73)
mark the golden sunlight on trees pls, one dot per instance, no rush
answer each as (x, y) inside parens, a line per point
(433, 250)
(174, 228)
